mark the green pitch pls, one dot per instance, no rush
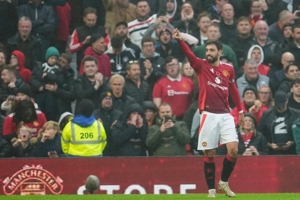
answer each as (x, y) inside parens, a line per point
(284, 196)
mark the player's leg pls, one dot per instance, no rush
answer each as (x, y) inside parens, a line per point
(208, 141)
(229, 137)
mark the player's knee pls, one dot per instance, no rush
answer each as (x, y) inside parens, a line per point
(210, 153)
(233, 152)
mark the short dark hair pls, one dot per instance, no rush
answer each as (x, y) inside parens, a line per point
(89, 58)
(67, 57)
(164, 104)
(169, 59)
(203, 14)
(217, 43)
(10, 68)
(116, 42)
(295, 81)
(243, 18)
(89, 10)
(85, 107)
(148, 39)
(294, 27)
(288, 67)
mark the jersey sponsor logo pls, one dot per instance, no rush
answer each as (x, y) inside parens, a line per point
(169, 86)
(217, 86)
(225, 73)
(32, 180)
(204, 144)
(218, 80)
(172, 92)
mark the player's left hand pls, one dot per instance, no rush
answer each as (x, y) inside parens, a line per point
(176, 35)
(169, 124)
(241, 119)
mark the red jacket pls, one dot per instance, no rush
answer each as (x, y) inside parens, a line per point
(104, 66)
(64, 16)
(10, 127)
(257, 114)
(263, 69)
(24, 73)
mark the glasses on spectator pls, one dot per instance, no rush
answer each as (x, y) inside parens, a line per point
(133, 61)
(289, 61)
(172, 65)
(148, 45)
(266, 93)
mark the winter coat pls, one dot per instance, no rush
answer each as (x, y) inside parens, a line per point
(140, 91)
(171, 142)
(227, 32)
(123, 102)
(41, 149)
(24, 73)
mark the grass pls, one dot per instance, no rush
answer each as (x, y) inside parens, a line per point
(282, 196)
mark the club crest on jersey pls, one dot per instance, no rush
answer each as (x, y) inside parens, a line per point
(218, 80)
(225, 73)
(204, 144)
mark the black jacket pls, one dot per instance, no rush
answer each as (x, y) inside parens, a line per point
(108, 117)
(141, 93)
(258, 141)
(123, 102)
(227, 32)
(266, 126)
(41, 149)
(295, 51)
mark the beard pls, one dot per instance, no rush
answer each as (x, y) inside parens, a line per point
(211, 59)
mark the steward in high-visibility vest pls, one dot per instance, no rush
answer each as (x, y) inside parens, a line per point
(84, 136)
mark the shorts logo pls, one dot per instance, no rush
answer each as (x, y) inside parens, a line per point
(204, 144)
(225, 73)
(32, 180)
(218, 80)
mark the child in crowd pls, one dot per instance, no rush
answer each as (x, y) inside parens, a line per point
(22, 145)
(49, 144)
(50, 67)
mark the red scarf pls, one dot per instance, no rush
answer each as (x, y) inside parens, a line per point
(254, 18)
(247, 138)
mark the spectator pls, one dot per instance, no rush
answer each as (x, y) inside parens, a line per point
(119, 56)
(187, 23)
(44, 21)
(97, 50)
(168, 137)
(272, 51)
(152, 65)
(24, 111)
(81, 36)
(272, 8)
(99, 6)
(91, 84)
(250, 104)
(251, 141)
(130, 135)
(256, 53)
(134, 85)
(150, 112)
(294, 98)
(187, 71)
(241, 43)
(108, 115)
(121, 101)
(63, 29)
(116, 11)
(171, 10)
(215, 8)
(22, 145)
(64, 119)
(227, 24)
(122, 32)
(2, 59)
(265, 96)
(287, 58)
(10, 82)
(84, 136)
(203, 21)
(49, 73)
(276, 29)
(276, 125)
(291, 73)
(293, 46)
(251, 77)
(256, 14)
(26, 42)
(63, 92)
(8, 19)
(213, 33)
(17, 60)
(49, 145)
(171, 86)
(287, 34)
(138, 27)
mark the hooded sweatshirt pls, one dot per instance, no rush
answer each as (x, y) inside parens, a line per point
(262, 69)
(119, 61)
(24, 73)
(104, 66)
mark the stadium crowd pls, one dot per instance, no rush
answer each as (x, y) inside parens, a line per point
(130, 91)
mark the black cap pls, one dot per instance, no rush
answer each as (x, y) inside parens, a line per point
(280, 99)
(252, 117)
(150, 105)
(25, 89)
(105, 94)
(121, 23)
(96, 36)
(249, 87)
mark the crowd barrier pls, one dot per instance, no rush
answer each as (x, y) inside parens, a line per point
(153, 175)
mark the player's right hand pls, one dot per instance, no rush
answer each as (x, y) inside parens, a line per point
(176, 35)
